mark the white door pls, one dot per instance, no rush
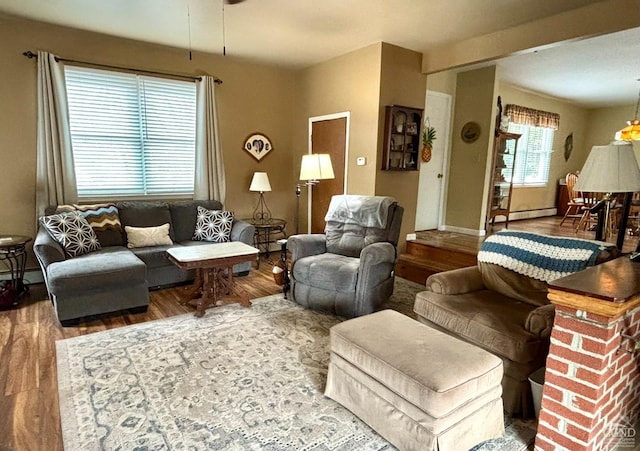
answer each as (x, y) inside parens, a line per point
(431, 184)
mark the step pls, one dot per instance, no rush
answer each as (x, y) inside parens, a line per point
(423, 259)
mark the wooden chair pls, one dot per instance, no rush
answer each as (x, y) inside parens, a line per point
(576, 201)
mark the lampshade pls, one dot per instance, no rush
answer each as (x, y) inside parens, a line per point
(316, 166)
(610, 169)
(260, 182)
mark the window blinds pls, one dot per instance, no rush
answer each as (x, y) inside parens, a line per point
(533, 157)
(132, 135)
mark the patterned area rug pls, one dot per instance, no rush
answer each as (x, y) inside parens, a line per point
(236, 379)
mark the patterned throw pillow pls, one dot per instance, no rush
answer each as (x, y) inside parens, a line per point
(101, 217)
(213, 225)
(72, 231)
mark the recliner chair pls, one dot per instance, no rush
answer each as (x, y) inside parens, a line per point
(348, 270)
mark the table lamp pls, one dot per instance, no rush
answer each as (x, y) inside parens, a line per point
(611, 169)
(313, 168)
(260, 182)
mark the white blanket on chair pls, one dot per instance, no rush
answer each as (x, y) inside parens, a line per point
(366, 211)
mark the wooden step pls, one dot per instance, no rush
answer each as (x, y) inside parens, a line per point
(423, 259)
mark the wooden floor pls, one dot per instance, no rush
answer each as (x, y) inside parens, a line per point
(29, 413)
(548, 226)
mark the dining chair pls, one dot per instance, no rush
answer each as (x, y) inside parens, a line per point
(576, 200)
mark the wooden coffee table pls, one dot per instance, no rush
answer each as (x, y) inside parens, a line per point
(212, 286)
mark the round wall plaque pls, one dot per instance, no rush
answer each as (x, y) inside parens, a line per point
(470, 132)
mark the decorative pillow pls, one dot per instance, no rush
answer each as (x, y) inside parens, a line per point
(213, 225)
(148, 236)
(72, 231)
(101, 217)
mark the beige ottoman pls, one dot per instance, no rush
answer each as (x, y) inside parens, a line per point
(419, 388)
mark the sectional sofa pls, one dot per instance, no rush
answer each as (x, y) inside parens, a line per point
(118, 277)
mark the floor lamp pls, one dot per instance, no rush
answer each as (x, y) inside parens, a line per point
(611, 169)
(313, 168)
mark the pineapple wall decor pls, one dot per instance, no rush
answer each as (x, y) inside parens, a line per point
(428, 137)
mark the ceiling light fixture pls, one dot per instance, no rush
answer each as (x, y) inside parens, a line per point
(632, 131)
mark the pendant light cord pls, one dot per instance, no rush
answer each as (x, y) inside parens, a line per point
(224, 34)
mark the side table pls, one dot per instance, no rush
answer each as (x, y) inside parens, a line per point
(14, 256)
(267, 232)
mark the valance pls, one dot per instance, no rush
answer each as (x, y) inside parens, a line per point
(535, 118)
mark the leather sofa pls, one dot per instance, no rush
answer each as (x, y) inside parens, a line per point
(502, 311)
(116, 277)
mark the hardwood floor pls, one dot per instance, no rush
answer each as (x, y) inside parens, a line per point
(548, 226)
(29, 413)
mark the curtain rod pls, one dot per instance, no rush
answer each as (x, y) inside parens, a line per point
(30, 54)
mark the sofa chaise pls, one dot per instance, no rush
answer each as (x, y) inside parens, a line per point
(118, 275)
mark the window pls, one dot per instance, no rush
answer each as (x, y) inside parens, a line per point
(132, 135)
(533, 156)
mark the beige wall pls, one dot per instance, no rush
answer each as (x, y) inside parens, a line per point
(402, 83)
(252, 98)
(573, 119)
(350, 82)
(603, 123)
(476, 92)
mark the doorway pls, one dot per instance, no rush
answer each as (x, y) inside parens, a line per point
(432, 179)
(328, 134)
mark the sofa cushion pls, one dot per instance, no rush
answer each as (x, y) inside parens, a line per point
(513, 285)
(153, 257)
(486, 318)
(72, 231)
(349, 239)
(108, 267)
(145, 214)
(328, 271)
(213, 225)
(183, 215)
(148, 236)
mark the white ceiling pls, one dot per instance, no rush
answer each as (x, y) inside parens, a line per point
(300, 33)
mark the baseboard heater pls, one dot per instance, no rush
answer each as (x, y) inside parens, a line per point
(528, 214)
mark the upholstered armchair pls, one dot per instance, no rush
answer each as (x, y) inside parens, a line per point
(501, 304)
(348, 270)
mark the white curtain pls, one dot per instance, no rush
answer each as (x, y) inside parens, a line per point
(55, 174)
(210, 180)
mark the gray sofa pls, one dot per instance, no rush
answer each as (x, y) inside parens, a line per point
(116, 277)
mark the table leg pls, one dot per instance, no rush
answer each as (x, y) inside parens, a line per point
(193, 291)
(286, 286)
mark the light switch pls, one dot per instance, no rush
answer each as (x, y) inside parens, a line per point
(361, 161)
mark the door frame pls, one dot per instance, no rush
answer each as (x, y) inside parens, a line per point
(328, 117)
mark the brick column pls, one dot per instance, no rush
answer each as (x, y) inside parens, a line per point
(591, 395)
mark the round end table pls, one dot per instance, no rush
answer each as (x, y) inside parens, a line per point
(13, 255)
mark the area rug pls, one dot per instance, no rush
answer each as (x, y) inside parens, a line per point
(236, 379)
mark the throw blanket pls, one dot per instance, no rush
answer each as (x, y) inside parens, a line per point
(366, 211)
(540, 257)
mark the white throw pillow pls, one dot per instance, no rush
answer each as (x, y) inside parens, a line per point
(148, 236)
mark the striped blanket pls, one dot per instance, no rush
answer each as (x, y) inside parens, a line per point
(540, 257)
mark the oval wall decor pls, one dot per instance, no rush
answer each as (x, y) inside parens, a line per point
(470, 132)
(258, 145)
